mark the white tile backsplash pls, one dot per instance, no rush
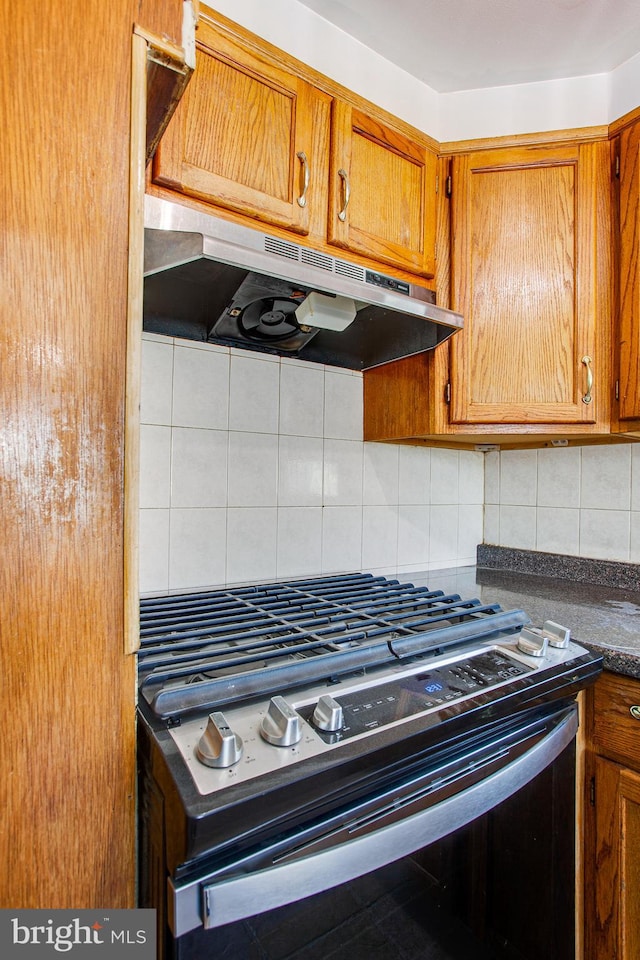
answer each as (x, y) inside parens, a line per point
(155, 466)
(414, 475)
(381, 464)
(301, 400)
(580, 501)
(558, 530)
(379, 537)
(198, 467)
(342, 405)
(157, 382)
(470, 526)
(413, 535)
(341, 539)
(518, 526)
(443, 534)
(154, 550)
(342, 470)
(471, 479)
(300, 471)
(253, 467)
(605, 534)
(559, 477)
(197, 547)
(491, 523)
(606, 478)
(299, 541)
(518, 478)
(492, 477)
(634, 549)
(635, 477)
(200, 387)
(445, 471)
(254, 393)
(251, 543)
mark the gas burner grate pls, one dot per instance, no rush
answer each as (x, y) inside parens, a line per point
(207, 649)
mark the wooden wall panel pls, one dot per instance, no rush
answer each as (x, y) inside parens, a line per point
(67, 750)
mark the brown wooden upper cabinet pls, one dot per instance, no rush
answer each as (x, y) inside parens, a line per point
(254, 135)
(529, 237)
(249, 136)
(528, 230)
(628, 352)
(382, 196)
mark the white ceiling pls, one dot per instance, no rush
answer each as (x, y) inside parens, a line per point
(467, 44)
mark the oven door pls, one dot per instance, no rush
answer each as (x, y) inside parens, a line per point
(378, 830)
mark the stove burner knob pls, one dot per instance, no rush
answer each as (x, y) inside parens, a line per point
(532, 642)
(281, 726)
(219, 746)
(557, 635)
(328, 714)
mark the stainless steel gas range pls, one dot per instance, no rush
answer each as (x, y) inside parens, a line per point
(296, 736)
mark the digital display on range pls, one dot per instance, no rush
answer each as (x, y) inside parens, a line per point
(378, 706)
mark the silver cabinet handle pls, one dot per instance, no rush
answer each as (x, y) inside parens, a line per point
(344, 176)
(302, 157)
(635, 712)
(587, 362)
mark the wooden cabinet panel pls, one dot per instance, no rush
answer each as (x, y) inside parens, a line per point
(615, 917)
(629, 807)
(67, 754)
(629, 281)
(612, 874)
(382, 192)
(245, 134)
(617, 730)
(526, 229)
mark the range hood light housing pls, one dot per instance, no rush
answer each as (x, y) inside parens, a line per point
(328, 313)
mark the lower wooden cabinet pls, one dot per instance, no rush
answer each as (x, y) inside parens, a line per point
(612, 842)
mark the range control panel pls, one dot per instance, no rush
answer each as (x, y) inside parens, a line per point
(379, 706)
(247, 741)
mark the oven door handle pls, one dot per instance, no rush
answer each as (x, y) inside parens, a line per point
(211, 903)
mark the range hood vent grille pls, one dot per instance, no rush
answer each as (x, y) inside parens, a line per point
(281, 248)
(351, 270)
(316, 259)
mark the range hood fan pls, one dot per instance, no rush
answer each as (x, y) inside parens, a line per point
(270, 320)
(263, 312)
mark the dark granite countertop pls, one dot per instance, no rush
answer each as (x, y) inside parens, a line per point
(603, 618)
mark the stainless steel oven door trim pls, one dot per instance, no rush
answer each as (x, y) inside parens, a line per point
(212, 904)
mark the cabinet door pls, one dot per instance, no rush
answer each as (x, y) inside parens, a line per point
(247, 136)
(528, 227)
(382, 192)
(615, 931)
(629, 331)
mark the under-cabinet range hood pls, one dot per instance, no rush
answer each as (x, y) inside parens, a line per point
(212, 280)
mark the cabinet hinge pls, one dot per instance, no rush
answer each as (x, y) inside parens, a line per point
(447, 392)
(617, 389)
(592, 791)
(448, 186)
(437, 183)
(616, 166)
